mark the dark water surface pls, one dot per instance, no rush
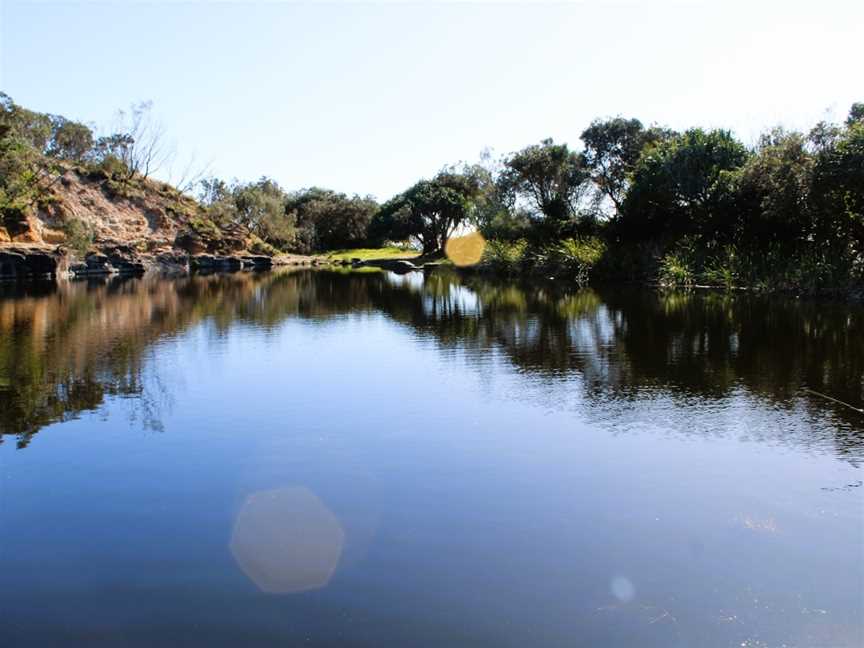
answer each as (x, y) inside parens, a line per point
(365, 459)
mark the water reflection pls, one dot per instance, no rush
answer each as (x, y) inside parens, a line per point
(427, 460)
(66, 349)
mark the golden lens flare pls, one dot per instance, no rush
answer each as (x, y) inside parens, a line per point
(466, 250)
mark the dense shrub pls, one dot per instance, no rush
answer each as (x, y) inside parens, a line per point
(504, 257)
(573, 258)
(79, 236)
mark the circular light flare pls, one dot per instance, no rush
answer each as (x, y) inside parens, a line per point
(623, 589)
(287, 540)
(465, 250)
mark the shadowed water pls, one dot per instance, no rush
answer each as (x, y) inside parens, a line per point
(366, 459)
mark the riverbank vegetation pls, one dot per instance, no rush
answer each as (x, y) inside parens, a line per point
(632, 202)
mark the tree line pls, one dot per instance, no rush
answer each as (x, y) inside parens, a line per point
(631, 202)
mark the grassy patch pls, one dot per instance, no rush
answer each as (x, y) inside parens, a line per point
(365, 254)
(349, 270)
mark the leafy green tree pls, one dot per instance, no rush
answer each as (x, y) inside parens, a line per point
(838, 186)
(260, 207)
(328, 220)
(492, 213)
(32, 128)
(856, 114)
(70, 140)
(685, 185)
(612, 149)
(774, 191)
(24, 173)
(430, 211)
(212, 191)
(547, 176)
(110, 153)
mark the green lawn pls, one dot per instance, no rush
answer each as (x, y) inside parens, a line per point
(373, 253)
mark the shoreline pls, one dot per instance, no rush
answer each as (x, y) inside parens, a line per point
(34, 262)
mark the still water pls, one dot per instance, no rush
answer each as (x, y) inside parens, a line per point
(364, 459)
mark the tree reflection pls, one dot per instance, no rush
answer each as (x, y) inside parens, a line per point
(64, 349)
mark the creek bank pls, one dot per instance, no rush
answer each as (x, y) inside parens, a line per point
(22, 261)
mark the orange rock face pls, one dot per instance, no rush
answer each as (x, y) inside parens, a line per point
(52, 236)
(26, 233)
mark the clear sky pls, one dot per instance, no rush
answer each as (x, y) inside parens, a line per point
(368, 98)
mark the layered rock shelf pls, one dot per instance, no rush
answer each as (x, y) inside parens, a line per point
(31, 262)
(21, 261)
(210, 263)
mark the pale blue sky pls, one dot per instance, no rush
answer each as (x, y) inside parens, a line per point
(369, 97)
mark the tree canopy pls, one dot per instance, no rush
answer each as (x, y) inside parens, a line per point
(430, 211)
(328, 220)
(612, 148)
(684, 185)
(549, 177)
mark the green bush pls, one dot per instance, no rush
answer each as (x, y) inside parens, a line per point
(576, 258)
(259, 246)
(675, 270)
(723, 269)
(205, 228)
(112, 167)
(79, 236)
(572, 258)
(504, 257)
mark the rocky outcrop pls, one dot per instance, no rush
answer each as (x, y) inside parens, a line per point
(116, 260)
(399, 266)
(257, 262)
(235, 238)
(191, 242)
(210, 263)
(204, 263)
(26, 262)
(204, 237)
(172, 263)
(125, 259)
(140, 212)
(129, 226)
(19, 226)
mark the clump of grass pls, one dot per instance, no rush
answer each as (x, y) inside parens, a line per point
(572, 258)
(723, 269)
(675, 270)
(575, 258)
(678, 267)
(504, 257)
